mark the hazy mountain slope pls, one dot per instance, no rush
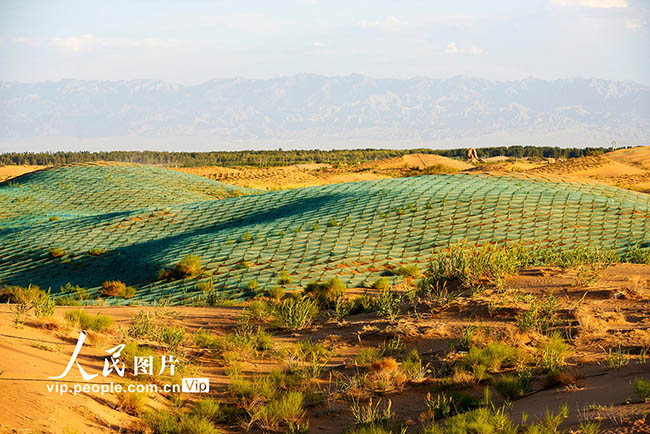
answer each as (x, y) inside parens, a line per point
(311, 109)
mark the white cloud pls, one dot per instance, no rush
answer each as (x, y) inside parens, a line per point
(317, 44)
(592, 3)
(635, 24)
(88, 42)
(388, 22)
(452, 48)
(25, 40)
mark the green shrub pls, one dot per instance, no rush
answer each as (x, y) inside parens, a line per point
(57, 253)
(131, 402)
(161, 422)
(480, 420)
(511, 387)
(642, 388)
(637, 255)
(115, 288)
(327, 293)
(368, 355)
(73, 295)
(276, 293)
(553, 353)
(371, 415)
(189, 266)
(85, 321)
(332, 222)
(191, 424)
(170, 335)
(381, 283)
(387, 303)
(295, 313)
(412, 366)
(142, 326)
(540, 316)
(493, 357)
(214, 411)
(283, 411)
(96, 251)
(252, 285)
(284, 278)
(408, 271)
(205, 339)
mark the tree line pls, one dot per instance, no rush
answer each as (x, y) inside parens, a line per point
(280, 157)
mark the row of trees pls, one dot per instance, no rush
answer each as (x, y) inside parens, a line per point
(280, 157)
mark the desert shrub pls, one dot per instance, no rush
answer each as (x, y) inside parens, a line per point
(327, 293)
(142, 326)
(205, 339)
(85, 321)
(589, 427)
(27, 299)
(24, 300)
(214, 411)
(189, 266)
(552, 354)
(131, 402)
(283, 411)
(170, 335)
(480, 420)
(115, 288)
(276, 293)
(284, 278)
(57, 252)
(375, 429)
(332, 222)
(252, 285)
(192, 424)
(412, 366)
(363, 303)
(432, 290)
(642, 388)
(492, 358)
(541, 316)
(511, 387)
(408, 271)
(618, 358)
(368, 355)
(381, 283)
(464, 342)
(448, 404)
(295, 313)
(43, 304)
(462, 266)
(246, 236)
(161, 422)
(387, 303)
(73, 295)
(53, 218)
(637, 255)
(371, 414)
(96, 251)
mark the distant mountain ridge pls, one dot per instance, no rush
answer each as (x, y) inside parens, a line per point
(306, 109)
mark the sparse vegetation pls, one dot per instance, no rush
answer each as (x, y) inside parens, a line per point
(295, 313)
(85, 321)
(116, 288)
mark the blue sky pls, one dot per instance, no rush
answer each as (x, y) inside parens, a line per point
(193, 41)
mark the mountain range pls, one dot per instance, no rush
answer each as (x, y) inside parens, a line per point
(307, 110)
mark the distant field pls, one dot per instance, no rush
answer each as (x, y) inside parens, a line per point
(144, 219)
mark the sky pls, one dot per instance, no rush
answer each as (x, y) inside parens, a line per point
(193, 41)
